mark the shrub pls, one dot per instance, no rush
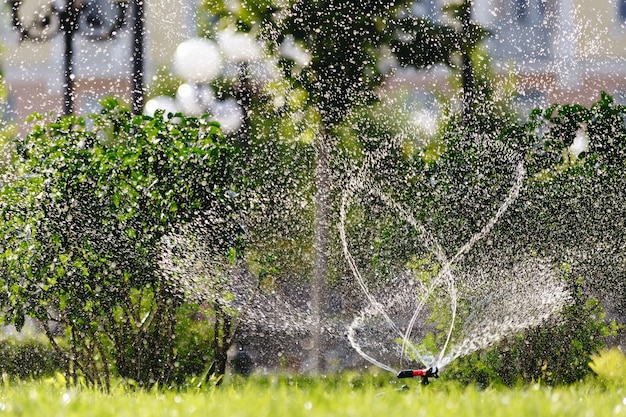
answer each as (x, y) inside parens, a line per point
(556, 353)
(82, 223)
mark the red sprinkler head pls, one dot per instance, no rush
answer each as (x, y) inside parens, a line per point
(432, 372)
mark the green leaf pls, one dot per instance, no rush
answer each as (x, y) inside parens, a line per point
(18, 320)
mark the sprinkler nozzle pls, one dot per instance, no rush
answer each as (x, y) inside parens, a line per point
(407, 373)
(426, 373)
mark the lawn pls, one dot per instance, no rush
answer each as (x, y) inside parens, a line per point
(349, 395)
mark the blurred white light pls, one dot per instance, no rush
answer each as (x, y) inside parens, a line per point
(238, 46)
(290, 50)
(580, 144)
(266, 70)
(205, 96)
(193, 99)
(425, 120)
(228, 113)
(160, 103)
(187, 99)
(197, 60)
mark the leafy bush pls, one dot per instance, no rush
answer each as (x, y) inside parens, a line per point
(554, 354)
(82, 223)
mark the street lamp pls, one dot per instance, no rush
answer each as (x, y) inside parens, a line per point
(96, 20)
(198, 60)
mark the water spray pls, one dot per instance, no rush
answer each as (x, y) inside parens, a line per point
(485, 324)
(425, 374)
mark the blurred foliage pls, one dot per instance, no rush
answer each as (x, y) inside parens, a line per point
(572, 205)
(331, 58)
(28, 358)
(81, 228)
(610, 367)
(569, 210)
(455, 193)
(194, 338)
(163, 83)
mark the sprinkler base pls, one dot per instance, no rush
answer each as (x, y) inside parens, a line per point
(425, 374)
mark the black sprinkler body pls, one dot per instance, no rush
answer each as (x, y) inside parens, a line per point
(425, 374)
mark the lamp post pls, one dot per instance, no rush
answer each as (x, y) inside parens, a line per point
(138, 50)
(97, 20)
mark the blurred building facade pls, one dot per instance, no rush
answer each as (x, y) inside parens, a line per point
(34, 70)
(556, 51)
(559, 50)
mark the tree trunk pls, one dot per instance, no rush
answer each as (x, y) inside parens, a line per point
(321, 232)
(469, 99)
(221, 343)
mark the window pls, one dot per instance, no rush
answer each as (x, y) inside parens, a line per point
(530, 11)
(621, 5)
(521, 10)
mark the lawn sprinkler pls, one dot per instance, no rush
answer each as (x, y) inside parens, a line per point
(432, 372)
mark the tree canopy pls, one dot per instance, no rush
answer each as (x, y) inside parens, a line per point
(347, 43)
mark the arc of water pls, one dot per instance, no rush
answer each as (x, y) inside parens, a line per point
(454, 299)
(355, 271)
(352, 338)
(350, 190)
(433, 245)
(511, 197)
(550, 301)
(446, 270)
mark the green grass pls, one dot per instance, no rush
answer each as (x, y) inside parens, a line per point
(348, 395)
